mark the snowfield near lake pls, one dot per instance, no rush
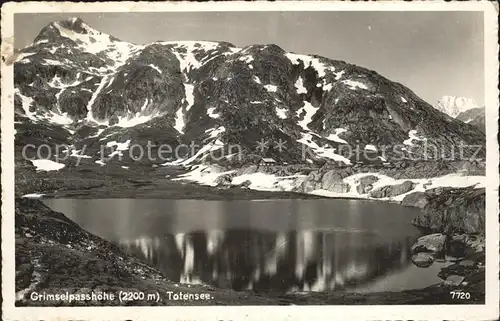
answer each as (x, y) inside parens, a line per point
(206, 175)
(33, 195)
(452, 180)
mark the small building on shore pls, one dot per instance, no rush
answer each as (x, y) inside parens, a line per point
(267, 161)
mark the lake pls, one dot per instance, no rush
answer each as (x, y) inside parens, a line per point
(268, 245)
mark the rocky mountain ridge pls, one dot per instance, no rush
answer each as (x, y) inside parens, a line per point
(474, 116)
(77, 86)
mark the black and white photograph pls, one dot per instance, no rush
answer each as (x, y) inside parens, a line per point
(279, 156)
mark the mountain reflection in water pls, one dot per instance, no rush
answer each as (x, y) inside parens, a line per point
(242, 259)
(275, 245)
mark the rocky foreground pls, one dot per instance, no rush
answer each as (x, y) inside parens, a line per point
(456, 219)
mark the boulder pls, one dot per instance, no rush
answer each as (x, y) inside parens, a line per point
(364, 189)
(453, 280)
(423, 259)
(429, 243)
(370, 179)
(365, 184)
(340, 188)
(415, 199)
(331, 178)
(307, 186)
(314, 176)
(113, 120)
(475, 244)
(223, 181)
(245, 184)
(393, 190)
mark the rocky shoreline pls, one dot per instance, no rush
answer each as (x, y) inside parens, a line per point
(456, 220)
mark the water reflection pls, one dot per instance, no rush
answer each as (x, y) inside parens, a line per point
(279, 245)
(296, 260)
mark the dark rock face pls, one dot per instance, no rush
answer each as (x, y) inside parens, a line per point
(465, 245)
(210, 92)
(454, 211)
(416, 199)
(393, 190)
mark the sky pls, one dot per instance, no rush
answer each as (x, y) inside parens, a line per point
(432, 53)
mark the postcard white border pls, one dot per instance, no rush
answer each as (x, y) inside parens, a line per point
(416, 312)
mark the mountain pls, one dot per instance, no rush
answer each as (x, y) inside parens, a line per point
(453, 106)
(474, 116)
(77, 86)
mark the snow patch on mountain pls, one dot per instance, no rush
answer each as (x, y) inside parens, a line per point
(189, 89)
(199, 155)
(95, 42)
(256, 79)
(371, 148)
(215, 132)
(299, 84)
(33, 195)
(138, 118)
(309, 111)
(310, 61)
(322, 151)
(61, 119)
(281, 112)
(248, 59)
(353, 84)
(179, 120)
(339, 74)
(78, 153)
(271, 88)
(180, 114)
(335, 137)
(155, 68)
(46, 165)
(26, 102)
(412, 136)
(119, 148)
(212, 114)
(186, 50)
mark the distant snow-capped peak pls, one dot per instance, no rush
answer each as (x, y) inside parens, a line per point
(455, 105)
